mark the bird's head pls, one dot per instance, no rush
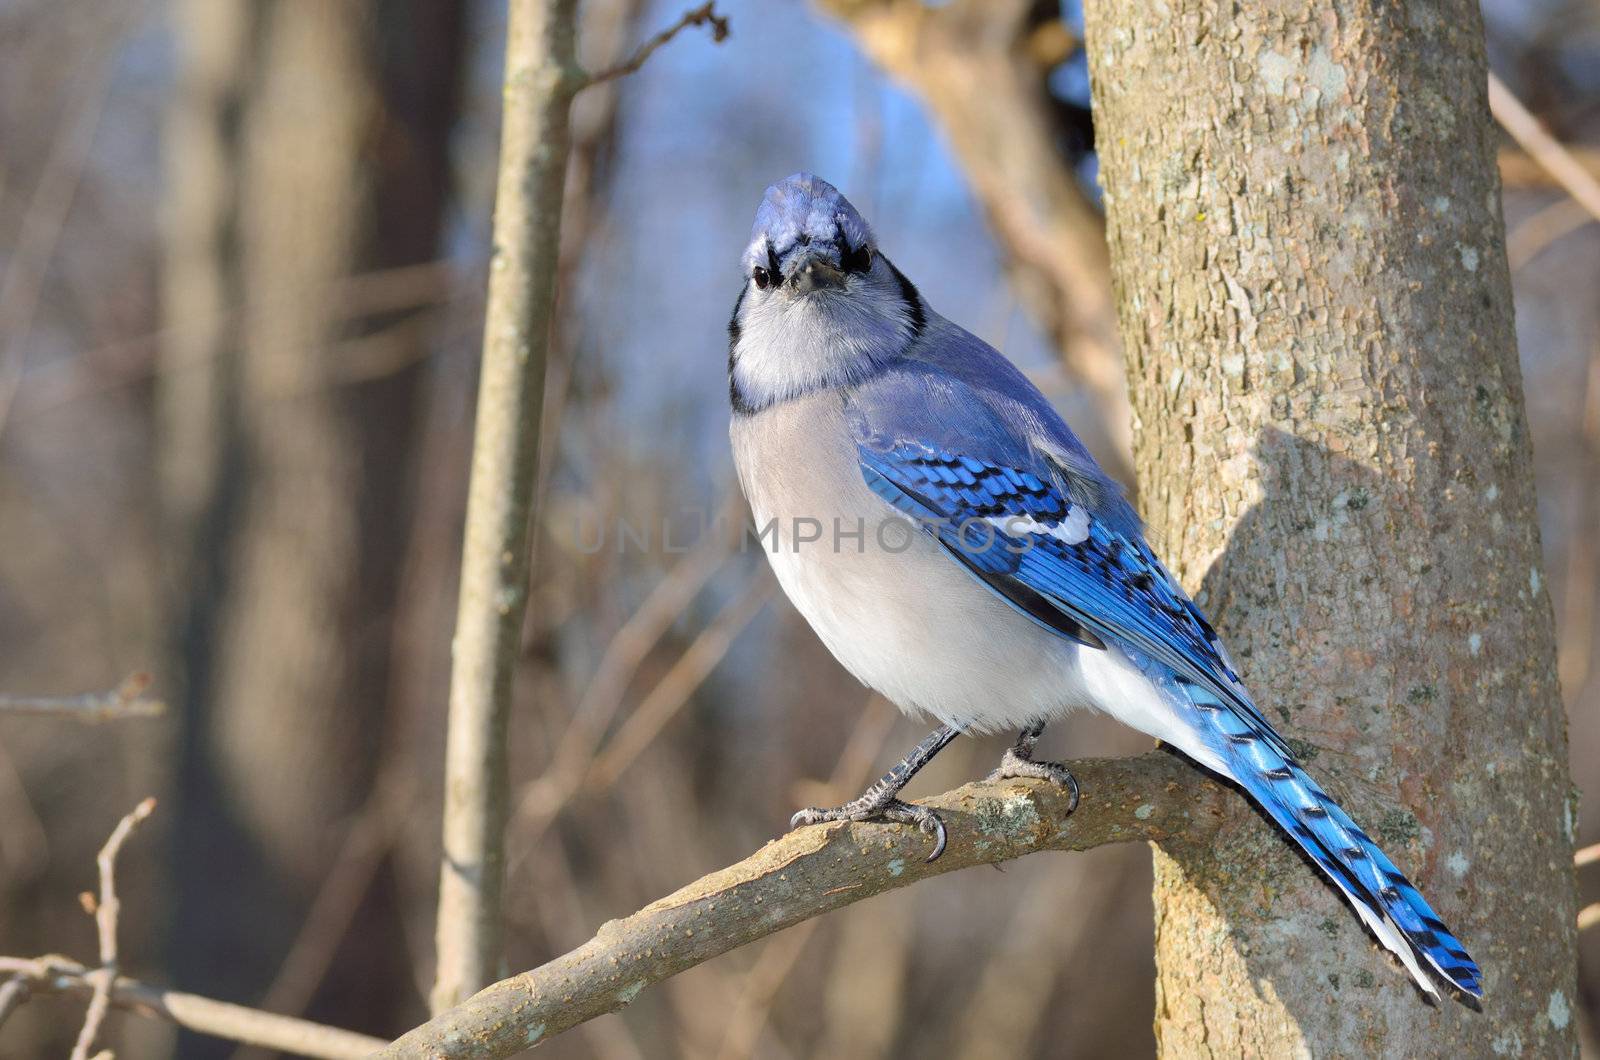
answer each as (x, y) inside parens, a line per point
(820, 306)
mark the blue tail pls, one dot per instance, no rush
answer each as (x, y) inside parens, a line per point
(1395, 910)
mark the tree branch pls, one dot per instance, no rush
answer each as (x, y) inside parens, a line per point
(705, 14)
(127, 700)
(58, 975)
(494, 561)
(105, 988)
(540, 79)
(809, 872)
(1543, 148)
(106, 911)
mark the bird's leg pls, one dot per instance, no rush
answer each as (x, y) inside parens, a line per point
(880, 802)
(1018, 762)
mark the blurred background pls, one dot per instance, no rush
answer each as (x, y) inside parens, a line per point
(242, 261)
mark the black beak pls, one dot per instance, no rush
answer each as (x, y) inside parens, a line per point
(814, 272)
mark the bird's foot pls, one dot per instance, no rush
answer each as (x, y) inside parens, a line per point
(868, 808)
(1018, 762)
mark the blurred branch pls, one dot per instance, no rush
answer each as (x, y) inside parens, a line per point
(105, 988)
(1575, 641)
(327, 922)
(52, 199)
(58, 975)
(1526, 241)
(1588, 916)
(777, 957)
(979, 66)
(13, 992)
(1545, 149)
(534, 143)
(812, 871)
(679, 683)
(1519, 169)
(603, 696)
(127, 700)
(106, 911)
(1589, 855)
(705, 14)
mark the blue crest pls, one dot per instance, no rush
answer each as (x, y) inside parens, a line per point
(804, 211)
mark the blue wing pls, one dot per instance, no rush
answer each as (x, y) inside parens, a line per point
(1054, 560)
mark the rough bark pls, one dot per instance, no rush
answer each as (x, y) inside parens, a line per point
(307, 147)
(1306, 238)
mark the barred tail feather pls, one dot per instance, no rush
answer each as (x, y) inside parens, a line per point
(1386, 901)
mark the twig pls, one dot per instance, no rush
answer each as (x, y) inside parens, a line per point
(127, 700)
(53, 195)
(705, 14)
(1587, 856)
(13, 993)
(1588, 916)
(812, 871)
(777, 958)
(106, 912)
(543, 797)
(680, 682)
(199, 1014)
(1532, 236)
(368, 840)
(1518, 169)
(1544, 148)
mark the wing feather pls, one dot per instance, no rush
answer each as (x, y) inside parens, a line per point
(1020, 535)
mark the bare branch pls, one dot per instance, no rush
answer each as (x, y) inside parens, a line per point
(199, 1014)
(812, 871)
(540, 54)
(1545, 149)
(105, 988)
(127, 700)
(705, 14)
(540, 80)
(13, 992)
(1518, 169)
(106, 911)
(680, 682)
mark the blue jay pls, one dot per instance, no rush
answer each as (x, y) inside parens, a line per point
(958, 549)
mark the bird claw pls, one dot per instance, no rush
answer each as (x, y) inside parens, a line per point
(892, 810)
(1013, 765)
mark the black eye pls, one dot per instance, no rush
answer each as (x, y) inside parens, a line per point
(761, 277)
(858, 260)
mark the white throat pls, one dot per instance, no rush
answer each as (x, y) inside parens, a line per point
(784, 347)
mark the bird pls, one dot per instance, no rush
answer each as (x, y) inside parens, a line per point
(957, 548)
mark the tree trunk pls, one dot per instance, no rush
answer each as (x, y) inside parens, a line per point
(1331, 445)
(308, 149)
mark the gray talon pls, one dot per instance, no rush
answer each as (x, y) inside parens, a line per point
(878, 803)
(891, 810)
(1018, 762)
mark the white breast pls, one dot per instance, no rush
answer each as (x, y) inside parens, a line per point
(901, 615)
